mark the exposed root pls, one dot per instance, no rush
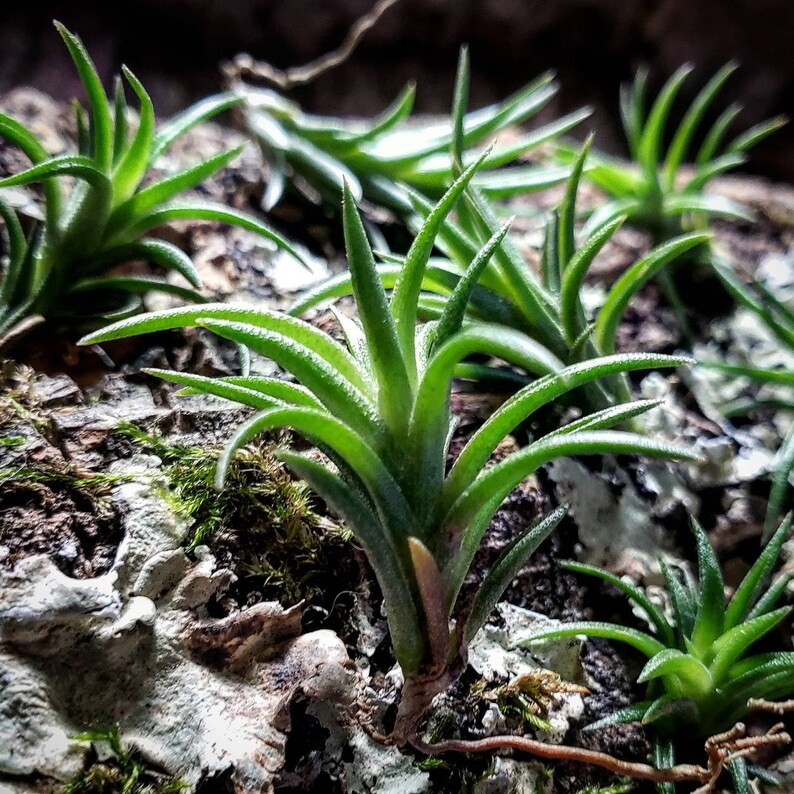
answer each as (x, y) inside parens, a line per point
(726, 747)
(771, 706)
(244, 66)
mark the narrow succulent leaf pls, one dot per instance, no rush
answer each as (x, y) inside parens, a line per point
(632, 110)
(255, 392)
(158, 252)
(276, 181)
(758, 667)
(633, 713)
(711, 605)
(684, 606)
(781, 483)
(608, 417)
(740, 776)
(320, 427)
(430, 417)
(757, 577)
(757, 133)
(681, 709)
(713, 168)
(14, 253)
(734, 643)
(339, 286)
(431, 592)
(638, 596)
(66, 165)
(152, 196)
(82, 129)
(651, 141)
(355, 338)
(386, 357)
(682, 139)
(459, 105)
(290, 351)
(711, 205)
(506, 568)
(327, 173)
(633, 280)
(120, 126)
(508, 416)
(506, 183)
(195, 114)
(22, 138)
(571, 312)
(672, 662)
(578, 344)
(780, 377)
(716, 135)
(132, 166)
(664, 758)
(550, 263)
(101, 122)
(209, 212)
(406, 291)
(566, 243)
(744, 295)
(644, 643)
(404, 624)
(467, 519)
(137, 285)
(454, 313)
(399, 110)
(330, 351)
(609, 212)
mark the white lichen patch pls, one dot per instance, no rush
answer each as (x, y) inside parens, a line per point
(195, 696)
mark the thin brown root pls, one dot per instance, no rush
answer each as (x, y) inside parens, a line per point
(682, 773)
(244, 65)
(771, 706)
(733, 744)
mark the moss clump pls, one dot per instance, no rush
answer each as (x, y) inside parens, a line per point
(263, 519)
(120, 772)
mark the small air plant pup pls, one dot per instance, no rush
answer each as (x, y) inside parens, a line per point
(700, 674)
(97, 213)
(379, 408)
(655, 190)
(378, 157)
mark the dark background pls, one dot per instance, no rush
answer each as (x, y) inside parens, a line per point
(175, 46)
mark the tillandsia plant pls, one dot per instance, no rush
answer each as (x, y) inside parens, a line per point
(547, 308)
(380, 410)
(778, 318)
(97, 214)
(377, 157)
(699, 673)
(654, 191)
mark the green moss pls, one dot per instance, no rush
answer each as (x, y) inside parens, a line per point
(121, 773)
(263, 515)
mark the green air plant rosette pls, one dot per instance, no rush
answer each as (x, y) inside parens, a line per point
(376, 158)
(655, 190)
(379, 408)
(97, 214)
(700, 673)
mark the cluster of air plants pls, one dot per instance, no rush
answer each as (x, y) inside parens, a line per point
(656, 191)
(97, 213)
(377, 158)
(380, 410)
(546, 308)
(699, 674)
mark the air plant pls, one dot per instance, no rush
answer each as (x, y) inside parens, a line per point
(380, 411)
(778, 318)
(655, 191)
(97, 213)
(699, 673)
(377, 157)
(546, 308)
